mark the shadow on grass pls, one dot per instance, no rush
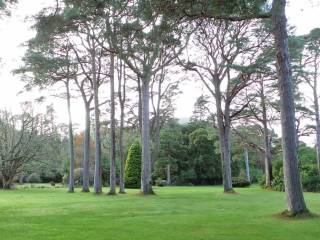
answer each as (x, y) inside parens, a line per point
(304, 215)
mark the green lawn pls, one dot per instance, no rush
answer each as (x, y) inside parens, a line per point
(184, 213)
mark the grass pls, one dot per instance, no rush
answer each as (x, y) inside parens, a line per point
(186, 213)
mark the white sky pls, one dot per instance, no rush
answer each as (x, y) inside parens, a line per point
(14, 31)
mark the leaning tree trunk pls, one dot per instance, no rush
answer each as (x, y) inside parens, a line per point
(71, 147)
(224, 140)
(97, 188)
(112, 130)
(146, 184)
(293, 188)
(86, 151)
(267, 144)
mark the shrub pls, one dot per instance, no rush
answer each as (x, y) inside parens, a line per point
(133, 166)
(240, 182)
(310, 178)
(160, 182)
(34, 178)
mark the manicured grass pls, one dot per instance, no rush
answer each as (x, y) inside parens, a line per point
(199, 213)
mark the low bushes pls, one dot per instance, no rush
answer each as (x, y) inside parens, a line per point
(34, 178)
(240, 182)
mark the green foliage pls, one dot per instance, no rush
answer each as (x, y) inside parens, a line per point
(34, 178)
(190, 151)
(310, 178)
(240, 182)
(133, 166)
(278, 182)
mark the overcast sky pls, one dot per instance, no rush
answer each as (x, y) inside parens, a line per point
(14, 31)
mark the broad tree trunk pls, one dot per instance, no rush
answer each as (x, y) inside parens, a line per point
(168, 170)
(246, 160)
(293, 188)
(112, 130)
(224, 140)
(71, 145)
(86, 151)
(146, 181)
(267, 144)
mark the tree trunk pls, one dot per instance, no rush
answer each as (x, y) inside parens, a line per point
(122, 97)
(316, 109)
(224, 140)
(168, 170)
(246, 159)
(267, 144)
(97, 188)
(140, 104)
(112, 130)
(86, 151)
(157, 133)
(146, 184)
(71, 147)
(293, 188)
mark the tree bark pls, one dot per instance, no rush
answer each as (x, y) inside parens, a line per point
(146, 181)
(267, 144)
(86, 151)
(168, 170)
(316, 109)
(224, 139)
(246, 159)
(293, 188)
(112, 130)
(71, 145)
(157, 133)
(122, 98)
(140, 104)
(97, 188)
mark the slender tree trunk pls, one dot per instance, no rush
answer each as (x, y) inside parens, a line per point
(316, 109)
(246, 160)
(294, 194)
(224, 139)
(168, 170)
(71, 145)
(122, 97)
(267, 146)
(112, 130)
(86, 151)
(146, 181)
(140, 104)
(98, 167)
(157, 133)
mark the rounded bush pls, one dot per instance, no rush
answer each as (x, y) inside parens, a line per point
(133, 166)
(240, 182)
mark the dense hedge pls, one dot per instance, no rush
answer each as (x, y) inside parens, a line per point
(310, 178)
(133, 166)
